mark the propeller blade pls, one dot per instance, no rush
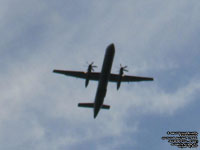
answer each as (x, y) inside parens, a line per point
(126, 70)
(123, 68)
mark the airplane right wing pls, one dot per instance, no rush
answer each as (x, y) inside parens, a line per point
(79, 74)
(125, 78)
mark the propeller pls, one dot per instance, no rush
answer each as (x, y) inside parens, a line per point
(123, 68)
(91, 66)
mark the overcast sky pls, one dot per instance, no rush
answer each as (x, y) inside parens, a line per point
(154, 38)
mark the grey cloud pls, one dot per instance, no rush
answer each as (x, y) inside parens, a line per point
(38, 108)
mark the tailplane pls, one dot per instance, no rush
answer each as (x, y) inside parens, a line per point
(105, 107)
(91, 105)
(88, 105)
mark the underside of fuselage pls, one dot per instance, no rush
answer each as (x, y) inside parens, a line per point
(103, 80)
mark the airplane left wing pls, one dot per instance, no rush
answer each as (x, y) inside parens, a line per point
(79, 74)
(125, 78)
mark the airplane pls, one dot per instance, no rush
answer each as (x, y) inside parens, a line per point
(103, 78)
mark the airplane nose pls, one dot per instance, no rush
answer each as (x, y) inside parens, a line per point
(111, 46)
(111, 49)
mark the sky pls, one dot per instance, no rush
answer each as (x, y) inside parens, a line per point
(38, 109)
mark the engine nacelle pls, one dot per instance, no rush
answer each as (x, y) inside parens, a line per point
(119, 81)
(89, 70)
(86, 82)
(121, 72)
(118, 84)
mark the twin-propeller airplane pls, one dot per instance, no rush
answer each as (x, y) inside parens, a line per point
(103, 77)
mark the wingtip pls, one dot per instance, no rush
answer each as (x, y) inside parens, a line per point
(56, 71)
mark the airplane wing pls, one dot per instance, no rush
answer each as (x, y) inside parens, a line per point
(125, 78)
(95, 76)
(79, 74)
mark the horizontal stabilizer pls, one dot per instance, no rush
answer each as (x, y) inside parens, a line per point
(105, 107)
(91, 105)
(88, 105)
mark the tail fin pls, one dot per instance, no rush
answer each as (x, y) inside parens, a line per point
(91, 105)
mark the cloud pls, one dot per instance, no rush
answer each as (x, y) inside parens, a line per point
(38, 109)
